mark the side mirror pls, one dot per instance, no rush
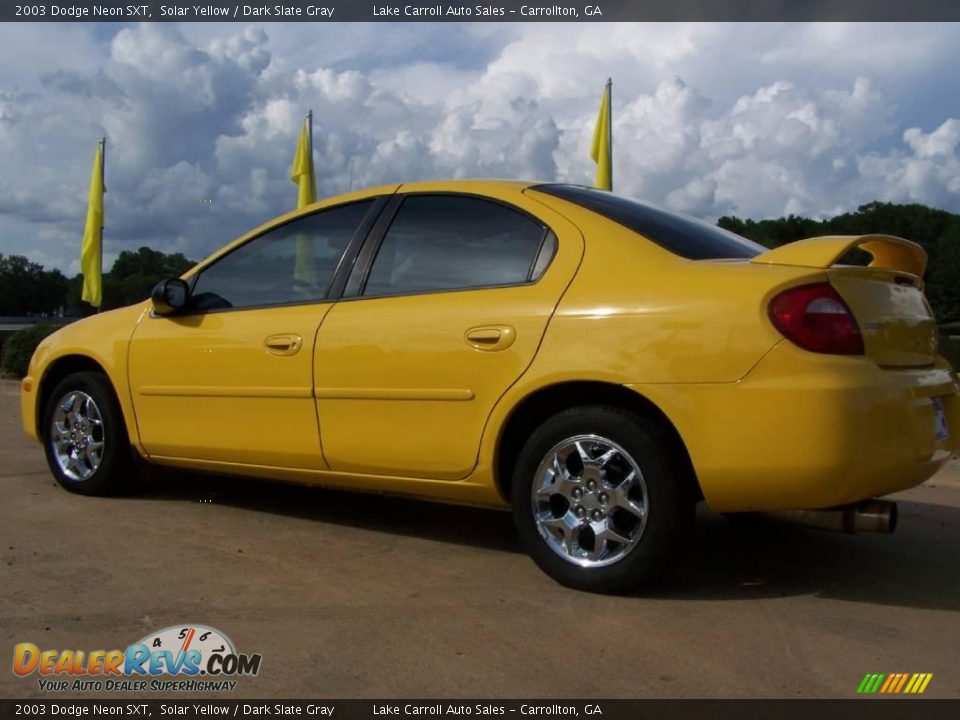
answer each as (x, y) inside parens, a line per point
(170, 296)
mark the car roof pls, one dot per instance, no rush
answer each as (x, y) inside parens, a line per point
(473, 185)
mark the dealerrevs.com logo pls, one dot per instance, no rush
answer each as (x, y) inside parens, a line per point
(201, 656)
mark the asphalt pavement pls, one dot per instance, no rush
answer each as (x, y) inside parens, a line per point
(349, 595)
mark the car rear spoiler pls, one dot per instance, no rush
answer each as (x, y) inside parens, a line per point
(889, 252)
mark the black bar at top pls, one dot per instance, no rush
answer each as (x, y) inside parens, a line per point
(491, 11)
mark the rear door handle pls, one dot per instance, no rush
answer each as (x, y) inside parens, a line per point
(491, 337)
(287, 344)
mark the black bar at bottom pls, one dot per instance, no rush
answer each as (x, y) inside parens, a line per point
(881, 708)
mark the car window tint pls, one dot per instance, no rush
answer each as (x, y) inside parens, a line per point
(682, 235)
(547, 250)
(445, 242)
(291, 264)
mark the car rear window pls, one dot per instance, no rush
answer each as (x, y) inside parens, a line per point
(682, 235)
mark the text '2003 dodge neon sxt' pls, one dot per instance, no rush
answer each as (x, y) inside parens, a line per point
(597, 364)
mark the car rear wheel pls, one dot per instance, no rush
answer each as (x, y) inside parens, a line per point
(599, 499)
(85, 437)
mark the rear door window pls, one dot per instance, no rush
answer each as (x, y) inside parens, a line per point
(451, 242)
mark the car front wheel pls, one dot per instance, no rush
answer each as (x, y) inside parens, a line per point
(84, 435)
(599, 499)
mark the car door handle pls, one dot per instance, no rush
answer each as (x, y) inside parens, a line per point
(491, 337)
(283, 344)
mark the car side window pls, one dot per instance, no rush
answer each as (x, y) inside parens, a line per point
(447, 242)
(291, 264)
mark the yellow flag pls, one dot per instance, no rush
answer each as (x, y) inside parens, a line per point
(91, 251)
(301, 173)
(602, 150)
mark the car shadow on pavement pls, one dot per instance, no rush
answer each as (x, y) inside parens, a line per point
(488, 529)
(916, 567)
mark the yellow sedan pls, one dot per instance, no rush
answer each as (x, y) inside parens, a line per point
(594, 363)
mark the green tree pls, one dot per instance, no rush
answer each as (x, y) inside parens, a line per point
(18, 348)
(943, 277)
(937, 231)
(150, 262)
(134, 274)
(131, 279)
(27, 289)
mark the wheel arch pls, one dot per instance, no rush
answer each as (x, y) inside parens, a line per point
(545, 402)
(60, 368)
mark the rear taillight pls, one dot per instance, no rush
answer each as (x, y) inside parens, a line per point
(816, 318)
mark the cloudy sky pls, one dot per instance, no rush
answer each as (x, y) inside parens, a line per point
(711, 119)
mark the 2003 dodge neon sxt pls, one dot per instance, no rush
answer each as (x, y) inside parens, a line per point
(596, 363)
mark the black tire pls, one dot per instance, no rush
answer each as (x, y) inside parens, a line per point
(669, 500)
(115, 468)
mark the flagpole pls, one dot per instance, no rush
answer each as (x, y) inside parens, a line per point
(610, 127)
(313, 178)
(103, 175)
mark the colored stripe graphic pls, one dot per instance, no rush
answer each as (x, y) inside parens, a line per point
(903, 680)
(894, 683)
(918, 683)
(870, 683)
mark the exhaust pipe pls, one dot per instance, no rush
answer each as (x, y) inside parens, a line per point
(877, 516)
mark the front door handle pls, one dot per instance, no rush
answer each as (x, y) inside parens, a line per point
(288, 344)
(491, 337)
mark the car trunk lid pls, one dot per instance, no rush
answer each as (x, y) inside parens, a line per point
(886, 297)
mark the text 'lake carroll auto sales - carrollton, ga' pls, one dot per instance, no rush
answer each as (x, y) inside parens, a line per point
(487, 11)
(445, 709)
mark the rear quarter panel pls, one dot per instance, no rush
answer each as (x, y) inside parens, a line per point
(640, 316)
(636, 313)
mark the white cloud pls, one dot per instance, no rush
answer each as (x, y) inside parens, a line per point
(929, 172)
(755, 120)
(941, 142)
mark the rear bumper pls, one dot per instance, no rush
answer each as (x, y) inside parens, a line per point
(803, 430)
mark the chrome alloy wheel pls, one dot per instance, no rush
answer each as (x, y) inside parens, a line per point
(590, 501)
(76, 435)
